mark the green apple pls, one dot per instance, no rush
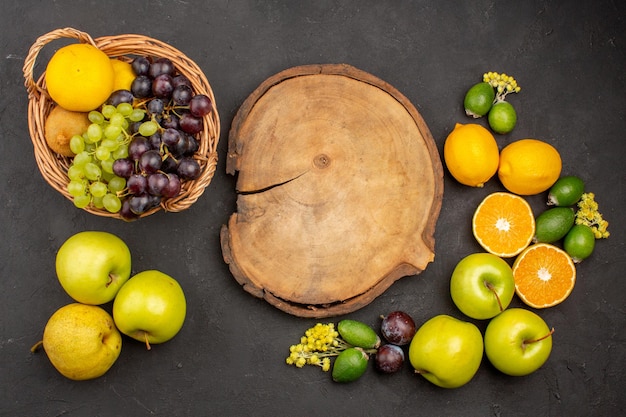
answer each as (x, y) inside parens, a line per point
(482, 285)
(518, 342)
(92, 266)
(150, 307)
(81, 341)
(446, 351)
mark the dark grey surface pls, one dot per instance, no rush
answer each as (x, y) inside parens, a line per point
(569, 58)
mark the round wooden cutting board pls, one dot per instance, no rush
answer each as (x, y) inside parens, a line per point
(339, 190)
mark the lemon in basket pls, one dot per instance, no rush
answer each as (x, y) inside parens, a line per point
(79, 77)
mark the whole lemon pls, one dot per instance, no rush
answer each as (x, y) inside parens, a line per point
(81, 341)
(529, 166)
(124, 74)
(79, 77)
(471, 154)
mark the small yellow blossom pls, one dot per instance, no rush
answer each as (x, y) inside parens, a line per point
(503, 83)
(589, 215)
(316, 346)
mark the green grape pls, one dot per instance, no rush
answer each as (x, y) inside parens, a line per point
(82, 158)
(108, 110)
(117, 184)
(106, 176)
(107, 165)
(77, 144)
(102, 153)
(82, 201)
(98, 189)
(121, 152)
(95, 117)
(97, 202)
(110, 144)
(137, 115)
(148, 128)
(94, 133)
(125, 109)
(112, 131)
(117, 119)
(75, 172)
(111, 203)
(92, 171)
(125, 124)
(76, 188)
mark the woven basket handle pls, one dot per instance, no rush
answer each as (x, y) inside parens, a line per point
(34, 90)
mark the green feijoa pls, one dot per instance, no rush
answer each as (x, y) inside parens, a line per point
(478, 100)
(553, 224)
(358, 334)
(566, 191)
(350, 364)
(579, 242)
(502, 117)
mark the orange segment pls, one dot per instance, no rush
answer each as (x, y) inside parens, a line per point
(503, 224)
(544, 275)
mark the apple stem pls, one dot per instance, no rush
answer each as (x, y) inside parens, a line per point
(493, 290)
(110, 281)
(145, 336)
(528, 342)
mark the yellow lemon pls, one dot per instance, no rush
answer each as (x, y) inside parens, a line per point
(124, 75)
(529, 166)
(79, 77)
(471, 154)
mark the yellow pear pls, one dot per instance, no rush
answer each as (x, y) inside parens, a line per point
(81, 341)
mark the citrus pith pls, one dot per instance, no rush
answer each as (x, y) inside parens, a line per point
(544, 275)
(503, 224)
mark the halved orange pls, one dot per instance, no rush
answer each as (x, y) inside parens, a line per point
(503, 224)
(544, 275)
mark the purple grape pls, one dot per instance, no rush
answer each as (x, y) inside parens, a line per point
(389, 359)
(155, 106)
(200, 105)
(169, 165)
(156, 183)
(126, 212)
(192, 145)
(137, 147)
(155, 141)
(161, 66)
(123, 168)
(141, 87)
(150, 161)
(181, 79)
(162, 86)
(139, 204)
(170, 120)
(181, 95)
(140, 65)
(170, 136)
(398, 328)
(173, 187)
(190, 124)
(120, 96)
(179, 148)
(137, 184)
(188, 168)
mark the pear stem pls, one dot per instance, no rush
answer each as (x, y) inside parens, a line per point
(491, 288)
(36, 346)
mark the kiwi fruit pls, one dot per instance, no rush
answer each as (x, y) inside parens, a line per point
(61, 125)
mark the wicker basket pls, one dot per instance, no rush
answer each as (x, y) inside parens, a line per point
(54, 167)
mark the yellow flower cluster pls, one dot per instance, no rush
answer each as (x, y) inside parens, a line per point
(504, 84)
(589, 215)
(318, 344)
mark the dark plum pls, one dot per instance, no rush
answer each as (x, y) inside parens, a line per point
(389, 359)
(398, 328)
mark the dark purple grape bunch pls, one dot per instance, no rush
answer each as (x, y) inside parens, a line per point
(398, 329)
(161, 153)
(168, 95)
